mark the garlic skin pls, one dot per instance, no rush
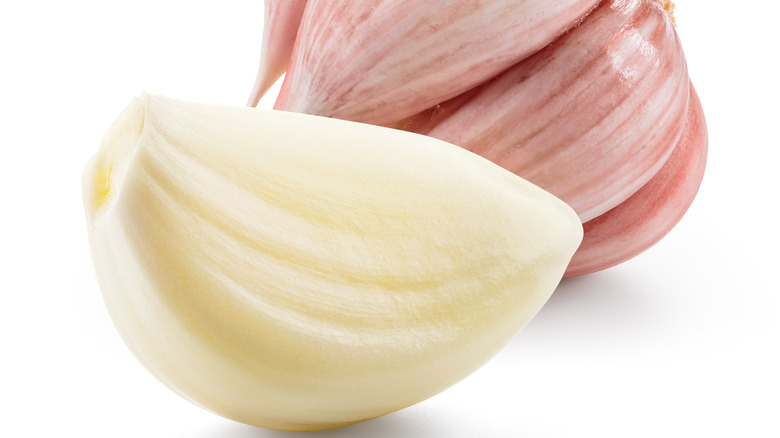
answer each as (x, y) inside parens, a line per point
(396, 58)
(280, 27)
(590, 118)
(649, 214)
(301, 273)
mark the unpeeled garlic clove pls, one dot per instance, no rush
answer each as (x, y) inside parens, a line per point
(379, 61)
(649, 214)
(591, 118)
(280, 26)
(298, 272)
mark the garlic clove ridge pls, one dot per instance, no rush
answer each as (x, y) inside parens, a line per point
(590, 118)
(649, 214)
(379, 61)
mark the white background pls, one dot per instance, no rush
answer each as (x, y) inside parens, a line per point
(682, 341)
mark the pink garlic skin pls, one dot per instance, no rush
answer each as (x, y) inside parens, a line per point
(590, 118)
(280, 27)
(381, 61)
(646, 217)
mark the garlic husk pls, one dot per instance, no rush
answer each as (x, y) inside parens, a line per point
(590, 118)
(649, 214)
(280, 27)
(379, 61)
(301, 273)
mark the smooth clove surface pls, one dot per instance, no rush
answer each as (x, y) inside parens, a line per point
(301, 273)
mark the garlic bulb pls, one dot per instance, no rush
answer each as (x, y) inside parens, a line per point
(588, 100)
(297, 272)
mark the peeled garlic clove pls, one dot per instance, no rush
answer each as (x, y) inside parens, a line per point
(280, 26)
(382, 61)
(647, 216)
(591, 118)
(299, 272)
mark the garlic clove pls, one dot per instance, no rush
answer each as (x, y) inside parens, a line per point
(647, 216)
(280, 27)
(298, 272)
(590, 118)
(382, 61)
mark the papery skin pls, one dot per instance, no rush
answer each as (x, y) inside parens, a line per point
(590, 118)
(647, 216)
(381, 61)
(302, 273)
(280, 27)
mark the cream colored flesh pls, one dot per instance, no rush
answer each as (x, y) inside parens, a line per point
(301, 273)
